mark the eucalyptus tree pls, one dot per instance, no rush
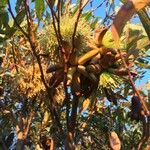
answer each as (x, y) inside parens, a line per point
(67, 79)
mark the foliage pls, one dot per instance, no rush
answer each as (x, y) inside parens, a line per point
(48, 39)
(66, 80)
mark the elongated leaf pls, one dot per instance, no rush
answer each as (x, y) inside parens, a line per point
(143, 65)
(20, 16)
(39, 8)
(87, 15)
(145, 21)
(86, 104)
(4, 18)
(19, 5)
(114, 141)
(124, 14)
(94, 22)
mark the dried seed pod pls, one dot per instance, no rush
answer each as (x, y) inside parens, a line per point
(94, 68)
(95, 59)
(54, 67)
(87, 56)
(84, 72)
(107, 60)
(136, 109)
(99, 34)
(105, 50)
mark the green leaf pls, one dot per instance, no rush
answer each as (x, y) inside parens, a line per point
(20, 16)
(143, 65)
(39, 8)
(94, 22)
(3, 3)
(145, 21)
(4, 18)
(87, 15)
(19, 5)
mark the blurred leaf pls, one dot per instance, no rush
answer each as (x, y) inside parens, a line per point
(94, 22)
(19, 5)
(39, 8)
(110, 80)
(143, 43)
(123, 15)
(3, 3)
(142, 65)
(20, 16)
(4, 19)
(148, 87)
(87, 15)
(145, 21)
(114, 141)
(108, 40)
(86, 104)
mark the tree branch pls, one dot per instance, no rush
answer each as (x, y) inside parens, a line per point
(33, 45)
(20, 28)
(14, 57)
(81, 6)
(133, 85)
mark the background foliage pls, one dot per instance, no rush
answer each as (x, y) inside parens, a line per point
(63, 82)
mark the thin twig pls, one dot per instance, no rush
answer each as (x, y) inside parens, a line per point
(54, 19)
(63, 51)
(58, 22)
(73, 117)
(59, 40)
(90, 113)
(94, 9)
(76, 23)
(26, 130)
(133, 85)
(14, 56)
(20, 28)
(33, 44)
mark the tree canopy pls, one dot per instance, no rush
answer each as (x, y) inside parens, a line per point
(68, 77)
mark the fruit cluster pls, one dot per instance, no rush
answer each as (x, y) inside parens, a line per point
(84, 71)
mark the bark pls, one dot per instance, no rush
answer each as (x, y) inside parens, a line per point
(3, 145)
(69, 142)
(20, 144)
